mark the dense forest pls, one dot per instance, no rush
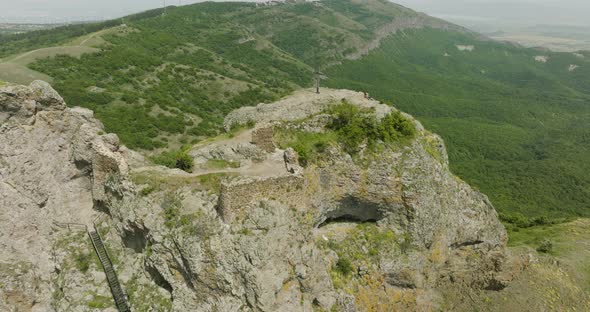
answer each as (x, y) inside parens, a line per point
(515, 127)
(161, 79)
(515, 120)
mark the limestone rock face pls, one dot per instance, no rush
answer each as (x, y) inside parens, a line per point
(292, 161)
(54, 167)
(264, 234)
(269, 240)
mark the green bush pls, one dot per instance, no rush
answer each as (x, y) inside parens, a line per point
(350, 127)
(545, 247)
(184, 162)
(308, 145)
(175, 159)
(518, 220)
(394, 127)
(355, 125)
(344, 266)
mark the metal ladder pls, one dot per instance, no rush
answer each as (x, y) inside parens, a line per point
(109, 270)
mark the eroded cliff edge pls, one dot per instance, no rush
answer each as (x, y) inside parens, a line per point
(251, 229)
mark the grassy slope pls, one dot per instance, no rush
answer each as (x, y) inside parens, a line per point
(15, 67)
(559, 281)
(515, 128)
(571, 245)
(23, 42)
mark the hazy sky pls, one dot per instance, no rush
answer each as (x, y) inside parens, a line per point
(496, 11)
(64, 10)
(524, 12)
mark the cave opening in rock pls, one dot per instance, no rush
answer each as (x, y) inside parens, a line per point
(135, 238)
(345, 219)
(352, 210)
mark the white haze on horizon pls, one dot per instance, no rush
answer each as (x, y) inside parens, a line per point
(524, 12)
(507, 12)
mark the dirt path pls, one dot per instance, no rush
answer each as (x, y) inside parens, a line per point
(27, 53)
(272, 166)
(100, 32)
(14, 68)
(81, 44)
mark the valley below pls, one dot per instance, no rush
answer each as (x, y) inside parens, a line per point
(551, 42)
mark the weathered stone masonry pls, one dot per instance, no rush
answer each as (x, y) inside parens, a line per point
(262, 137)
(237, 195)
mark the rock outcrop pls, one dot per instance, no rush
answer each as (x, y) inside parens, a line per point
(55, 166)
(267, 234)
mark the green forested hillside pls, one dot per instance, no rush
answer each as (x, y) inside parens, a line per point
(164, 80)
(14, 43)
(516, 127)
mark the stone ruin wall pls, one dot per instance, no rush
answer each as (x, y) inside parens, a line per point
(236, 197)
(263, 138)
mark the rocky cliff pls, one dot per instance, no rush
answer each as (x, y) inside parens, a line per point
(55, 168)
(252, 228)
